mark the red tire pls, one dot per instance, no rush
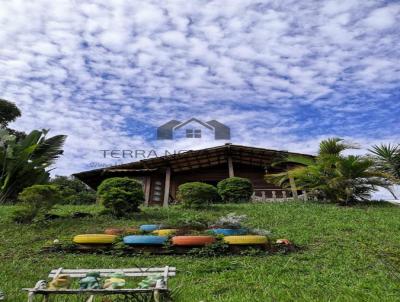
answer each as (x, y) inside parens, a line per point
(192, 240)
(114, 231)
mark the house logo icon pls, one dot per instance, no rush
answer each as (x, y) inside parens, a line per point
(193, 128)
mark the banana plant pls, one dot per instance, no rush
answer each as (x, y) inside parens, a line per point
(25, 162)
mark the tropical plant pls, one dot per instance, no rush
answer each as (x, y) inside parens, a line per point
(331, 175)
(9, 112)
(121, 196)
(235, 189)
(387, 160)
(73, 191)
(37, 201)
(197, 194)
(25, 162)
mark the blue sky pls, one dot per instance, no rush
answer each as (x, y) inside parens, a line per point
(282, 74)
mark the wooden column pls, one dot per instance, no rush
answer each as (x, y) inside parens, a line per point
(293, 187)
(167, 187)
(147, 186)
(230, 167)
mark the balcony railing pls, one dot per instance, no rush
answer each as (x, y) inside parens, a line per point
(267, 195)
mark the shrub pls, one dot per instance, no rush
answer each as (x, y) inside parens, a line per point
(37, 201)
(235, 190)
(121, 196)
(197, 194)
(73, 191)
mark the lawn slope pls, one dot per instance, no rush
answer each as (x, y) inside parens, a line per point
(349, 254)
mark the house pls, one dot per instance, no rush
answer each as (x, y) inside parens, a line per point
(193, 128)
(161, 176)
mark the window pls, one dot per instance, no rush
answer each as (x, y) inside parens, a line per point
(193, 133)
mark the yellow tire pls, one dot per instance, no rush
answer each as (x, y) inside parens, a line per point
(95, 239)
(165, 232)
(246, 240)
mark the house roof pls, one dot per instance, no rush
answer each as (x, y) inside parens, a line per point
(193, 159)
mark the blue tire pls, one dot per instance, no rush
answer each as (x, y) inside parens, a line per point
(149, 227)
(229, 232)
(144, 240)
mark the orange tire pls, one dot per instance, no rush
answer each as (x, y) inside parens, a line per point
(192, 240)
(114, 231)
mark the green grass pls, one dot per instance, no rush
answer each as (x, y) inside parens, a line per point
(349, 254)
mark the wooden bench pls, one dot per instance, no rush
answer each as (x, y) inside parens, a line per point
(160, 289)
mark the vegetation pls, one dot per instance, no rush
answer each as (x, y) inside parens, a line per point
(73, 191)
(121, 196)
(197, 194)
(333, 176)
(235, 190)
(326, 267)
(25, 162)
(9, 113)
(387, 160)
(37, 201)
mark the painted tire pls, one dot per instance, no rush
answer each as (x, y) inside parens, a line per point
(246, 240)
(114, 231)
(165, 232)
(94, 239)
(149, 227)
(192, 240)
(229, 232)
(144, 240)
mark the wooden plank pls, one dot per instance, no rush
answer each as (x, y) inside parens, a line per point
(90, 291)
(112, 270)
(167, 187)
(144, 274)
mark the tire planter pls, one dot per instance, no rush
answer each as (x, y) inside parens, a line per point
(192, 240)
(246, 240)
(149, 227)
(113, 231)
(94, 239)
(144, 240)
(229, 232)
(165, 232)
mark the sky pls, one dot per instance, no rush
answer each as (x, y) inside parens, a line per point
(281, 74)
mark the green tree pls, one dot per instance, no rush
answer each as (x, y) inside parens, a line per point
(73, 191)
(387, 161)
(121, 196)
(9, 112)
(331, 175)
(37, 201)
(25, 162)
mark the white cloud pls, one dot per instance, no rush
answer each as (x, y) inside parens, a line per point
(281, 74)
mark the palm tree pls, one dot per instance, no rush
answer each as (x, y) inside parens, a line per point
(387, 158)
(332, 176)
(24, 162)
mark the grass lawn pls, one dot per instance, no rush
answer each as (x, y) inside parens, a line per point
(349, 254)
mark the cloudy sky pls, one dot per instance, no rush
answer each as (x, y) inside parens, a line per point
(281, 74)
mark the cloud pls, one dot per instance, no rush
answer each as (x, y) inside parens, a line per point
(281, 74)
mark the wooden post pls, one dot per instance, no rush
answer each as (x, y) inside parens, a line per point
(147, 191)
(293, 187)
(263, 195)
(167, 187)
(273, 195)
(230, 167)
(305, 195)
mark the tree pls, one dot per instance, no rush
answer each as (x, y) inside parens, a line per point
(332, 176)
(25, 162)
(9, 112)
(73, 191)
(387, 159)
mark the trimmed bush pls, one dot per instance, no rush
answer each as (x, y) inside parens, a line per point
(197, 194)
(121, 196)
(37, 201)
(235, 190)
